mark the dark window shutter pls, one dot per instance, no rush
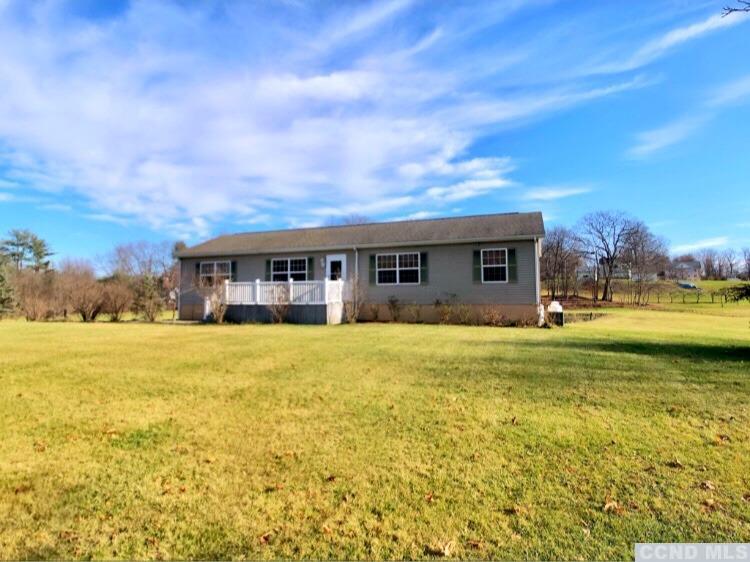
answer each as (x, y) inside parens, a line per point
(477, 266)
(268, 270)
(197, 281)
(310, 268)
(512, 266)
(373, 272)
(424, 274)
(233, 267)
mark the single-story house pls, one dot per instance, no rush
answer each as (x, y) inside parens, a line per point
(690, 269)
(474, 261)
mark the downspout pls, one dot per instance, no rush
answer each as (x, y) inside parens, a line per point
(537, 278)
(355, 287)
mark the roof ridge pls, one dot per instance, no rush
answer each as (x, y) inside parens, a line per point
(334, 226)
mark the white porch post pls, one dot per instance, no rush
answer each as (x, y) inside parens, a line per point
(257, 292)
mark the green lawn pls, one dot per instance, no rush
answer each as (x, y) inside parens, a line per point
(374, 441)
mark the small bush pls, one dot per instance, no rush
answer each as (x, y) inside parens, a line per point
(414, 312)
(463, 314)
(491, 316)
(148, 302)
(118, 297)
(374, 310)
(394, 307)
(279, 307)
(445, 308)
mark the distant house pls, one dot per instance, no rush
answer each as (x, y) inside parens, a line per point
(589, 272)
(690, 270)
(478, 261)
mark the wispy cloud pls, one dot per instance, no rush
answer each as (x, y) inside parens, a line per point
(60, 207)
(703, 244)
(649, 142)
(173, 115)
(732, 92)
(654, 140)
(5, 197)
(661, 45)
(553, 193)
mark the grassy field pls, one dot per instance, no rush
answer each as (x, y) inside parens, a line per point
(377, 441)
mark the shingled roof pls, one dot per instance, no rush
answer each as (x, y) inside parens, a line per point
(397, 233)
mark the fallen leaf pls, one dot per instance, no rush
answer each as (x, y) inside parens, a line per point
(331, 478)
(722, 438)
(327, 530)
(22, 489)
(475, 544)
(429, 497)
(40, 446)
(440, 550)
(265, 538)
(709, 505)
(514, 421)
(674, 463)
(707, 485)
(611, 506)
(746, 496)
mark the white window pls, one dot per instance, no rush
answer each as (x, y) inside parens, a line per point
(495, 265)
(284, 269)
(215, 272)
(397, 269)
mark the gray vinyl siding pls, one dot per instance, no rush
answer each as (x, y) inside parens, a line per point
(451, 275)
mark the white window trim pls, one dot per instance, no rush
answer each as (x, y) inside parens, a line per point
(397, 269)
(288, 265)
(202, 275)
(481, 264)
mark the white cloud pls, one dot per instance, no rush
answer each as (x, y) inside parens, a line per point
(5, 197)
(654, 140)
(56, 207)
(716, 242)
(169, 116)
(552, 193)
(666, 42)
(732, 92)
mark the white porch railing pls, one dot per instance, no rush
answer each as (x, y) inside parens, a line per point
(295, 292)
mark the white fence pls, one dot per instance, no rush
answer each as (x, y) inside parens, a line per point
(294, 292)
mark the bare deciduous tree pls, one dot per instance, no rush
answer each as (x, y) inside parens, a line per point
(603, 234)
(137, 259)
(81, 292)
(347, 220)
(561, 257)
(728, 263)
(709, 259)
(118, 297)
(36, 293)
(647, 256)
(746, 262)
(742, 6)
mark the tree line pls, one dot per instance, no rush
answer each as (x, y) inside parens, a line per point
(139, 278)
(605, 250)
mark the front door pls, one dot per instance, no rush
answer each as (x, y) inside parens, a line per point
(336, 267)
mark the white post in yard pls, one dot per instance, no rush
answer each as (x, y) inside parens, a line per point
(291, 290)
(257, 292)
(226, 291)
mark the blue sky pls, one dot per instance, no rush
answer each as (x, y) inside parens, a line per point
(130, 120)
